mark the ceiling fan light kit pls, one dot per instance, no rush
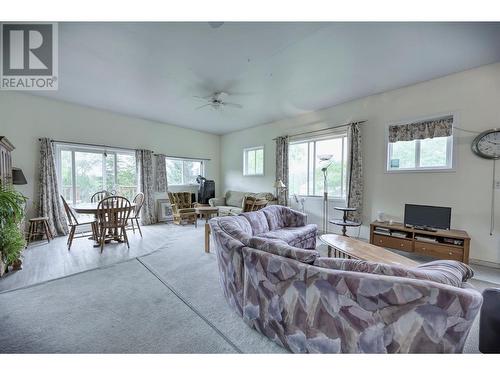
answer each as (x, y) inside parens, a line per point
(217, 101)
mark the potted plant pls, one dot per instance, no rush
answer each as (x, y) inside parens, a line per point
(11, 235)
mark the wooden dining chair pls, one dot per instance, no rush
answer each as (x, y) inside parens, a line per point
(99, 196)
(136, 214)
(74, 221)
(112, 216)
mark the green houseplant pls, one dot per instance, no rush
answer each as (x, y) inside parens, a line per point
(11, 215)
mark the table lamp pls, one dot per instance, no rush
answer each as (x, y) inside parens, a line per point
(18, 177)
(279, 185)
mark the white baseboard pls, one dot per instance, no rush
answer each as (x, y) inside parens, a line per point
(484, 263)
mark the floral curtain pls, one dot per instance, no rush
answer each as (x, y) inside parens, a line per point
(442, 127)
(161, 185)
(355, 173)
(144, 160)
(282, 168)
(49, 201)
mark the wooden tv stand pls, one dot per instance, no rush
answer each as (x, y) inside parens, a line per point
(443, 244)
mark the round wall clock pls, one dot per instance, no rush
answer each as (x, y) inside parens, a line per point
(487, 144)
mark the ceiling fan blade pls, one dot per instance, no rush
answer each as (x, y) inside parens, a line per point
(235, 105)
(202, 97)
(204, 105)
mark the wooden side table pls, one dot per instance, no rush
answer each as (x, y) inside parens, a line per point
(207, 213)
(344, 223)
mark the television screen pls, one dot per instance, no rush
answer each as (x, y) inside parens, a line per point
(427, 216)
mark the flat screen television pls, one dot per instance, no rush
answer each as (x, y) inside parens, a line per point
(427, 216)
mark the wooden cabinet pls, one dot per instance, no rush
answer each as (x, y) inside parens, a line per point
(5, 161)
(443, 244)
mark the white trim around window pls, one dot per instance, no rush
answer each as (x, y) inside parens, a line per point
(255, 169)
(451, 150)
(184, 174)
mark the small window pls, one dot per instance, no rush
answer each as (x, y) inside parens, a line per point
(183, 171)
(420, 154)
(253, 161)
(425, 145)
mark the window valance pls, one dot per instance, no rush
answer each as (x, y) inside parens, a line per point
(441, 127)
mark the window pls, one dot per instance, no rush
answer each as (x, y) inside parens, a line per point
(305, 175)
(84, 170)
(183, 171)
(253, 161)
(420, 154)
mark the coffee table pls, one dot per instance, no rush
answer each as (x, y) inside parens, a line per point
(207, 213)
(351, 248)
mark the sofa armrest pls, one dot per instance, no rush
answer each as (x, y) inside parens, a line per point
(386, 314)
(214, 202)
(296, 218)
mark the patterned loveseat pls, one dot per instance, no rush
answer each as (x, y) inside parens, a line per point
(309, 304)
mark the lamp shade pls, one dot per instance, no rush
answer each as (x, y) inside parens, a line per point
(18, 177)
(279, 184)
(325, 157)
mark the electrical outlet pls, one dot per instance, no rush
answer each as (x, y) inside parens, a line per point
(497, 184)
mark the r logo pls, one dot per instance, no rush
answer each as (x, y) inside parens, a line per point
(29, 56)
(27, 49)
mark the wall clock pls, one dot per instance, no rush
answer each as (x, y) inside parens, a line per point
(487, 146)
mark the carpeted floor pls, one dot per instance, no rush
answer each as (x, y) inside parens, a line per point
(167, 301)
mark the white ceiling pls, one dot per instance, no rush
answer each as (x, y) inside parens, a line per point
(275, 70)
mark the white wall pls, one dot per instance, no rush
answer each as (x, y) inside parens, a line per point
(473, 96)
(25, 118)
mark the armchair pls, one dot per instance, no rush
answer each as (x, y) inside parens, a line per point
(182, 208)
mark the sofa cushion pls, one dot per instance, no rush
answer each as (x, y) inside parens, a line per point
(460, 270)
(280, 217)
(291, 235)
(236, 226)
(258, 221)
(235, 198)
(281, 248)
(444, 272)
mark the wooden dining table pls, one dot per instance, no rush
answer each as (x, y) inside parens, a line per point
(92, 209)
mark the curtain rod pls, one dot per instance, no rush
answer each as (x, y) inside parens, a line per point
(183, 157)
(120, 148)
(329, 128)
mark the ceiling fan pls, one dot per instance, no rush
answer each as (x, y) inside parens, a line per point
(217, 101)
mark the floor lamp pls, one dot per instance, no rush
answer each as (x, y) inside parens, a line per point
(280, 186)
(325, 162)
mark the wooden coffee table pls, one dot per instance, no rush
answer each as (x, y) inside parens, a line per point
(351, 248)
(206, 213)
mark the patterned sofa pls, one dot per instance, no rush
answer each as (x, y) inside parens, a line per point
(233, 201)
(308, 304)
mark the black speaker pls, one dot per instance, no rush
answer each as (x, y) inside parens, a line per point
(489, 324)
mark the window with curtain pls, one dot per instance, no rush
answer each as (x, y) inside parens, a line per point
(183, 171)
(420, 146)
(305, 176)
(83, 170)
